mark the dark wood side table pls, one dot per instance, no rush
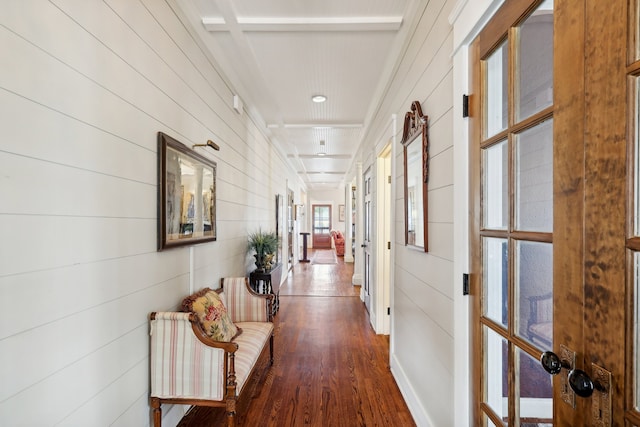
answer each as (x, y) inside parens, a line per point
(304, 247)
(268, 282)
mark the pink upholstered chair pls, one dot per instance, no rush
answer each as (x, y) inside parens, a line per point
(338, 239)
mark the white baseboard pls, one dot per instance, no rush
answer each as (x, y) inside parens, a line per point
(172, 414)
(418, 412)
(356, 279)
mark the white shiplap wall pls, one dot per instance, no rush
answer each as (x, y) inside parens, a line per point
(84, 88)
(422, 332)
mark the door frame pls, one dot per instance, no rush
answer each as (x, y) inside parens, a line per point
(382, 243)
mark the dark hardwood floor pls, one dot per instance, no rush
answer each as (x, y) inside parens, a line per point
(330, 368)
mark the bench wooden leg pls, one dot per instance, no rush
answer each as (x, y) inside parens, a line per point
(271, 349)
(231, 419)
(157, 412)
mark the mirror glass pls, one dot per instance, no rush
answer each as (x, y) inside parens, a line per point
(186, 195)
(415, 231)
(416, 175)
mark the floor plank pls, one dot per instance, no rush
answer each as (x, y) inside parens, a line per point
(330, 368)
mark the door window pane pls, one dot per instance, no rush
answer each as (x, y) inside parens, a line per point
(534, 293)
(534, 178)
(534, 74)
(535, 392)
(495, 186)
(489, 423)
(321, 219)
(636, 168)
(495, 259)
(496, 368)
(636, 326)
(496, 78)
(635, 28)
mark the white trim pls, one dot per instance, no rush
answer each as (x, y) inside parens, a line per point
(470, 20)
(356, 279)
(467, 19)
(419, 414)
(382, 222)
(305, 23)
(357, 262)
(348, 251)
(392, 254)
(461, 304)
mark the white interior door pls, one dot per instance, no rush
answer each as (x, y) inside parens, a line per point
(366, 242)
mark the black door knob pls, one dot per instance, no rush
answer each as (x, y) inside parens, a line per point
(551, 362)
(580, 383)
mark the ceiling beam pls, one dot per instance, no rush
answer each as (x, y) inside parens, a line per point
(315, 156)
(323, 172)
(315, 125)
(305, 24)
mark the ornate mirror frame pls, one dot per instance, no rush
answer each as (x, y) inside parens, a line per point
(186, 195)
(416, 176)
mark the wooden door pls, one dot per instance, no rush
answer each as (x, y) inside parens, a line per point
(321, 226)
(591, 187)
(594, 204)
(631, 383)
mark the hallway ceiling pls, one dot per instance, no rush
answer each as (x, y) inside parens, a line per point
(279, 53)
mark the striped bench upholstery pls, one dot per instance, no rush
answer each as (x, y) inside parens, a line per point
(182, 366)
(251, 342)
(188, 367)
(240, 301)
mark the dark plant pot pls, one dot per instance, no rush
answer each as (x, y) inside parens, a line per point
(260, 262)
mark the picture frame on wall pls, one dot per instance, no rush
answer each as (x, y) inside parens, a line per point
(186, 195)
(341, 213)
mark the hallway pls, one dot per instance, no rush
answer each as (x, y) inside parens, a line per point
(325, 373)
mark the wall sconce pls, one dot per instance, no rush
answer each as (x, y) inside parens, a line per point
(209, 143)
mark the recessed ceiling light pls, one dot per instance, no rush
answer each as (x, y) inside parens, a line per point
(322, 151)
(318, 98)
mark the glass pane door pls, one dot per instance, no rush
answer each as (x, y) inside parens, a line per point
(321, 226)
(516, 232)
(633, 243)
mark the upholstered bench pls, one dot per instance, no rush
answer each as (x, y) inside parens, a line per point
(204, 355)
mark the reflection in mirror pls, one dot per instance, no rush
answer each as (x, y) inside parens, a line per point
(186, 195)
(416, 174)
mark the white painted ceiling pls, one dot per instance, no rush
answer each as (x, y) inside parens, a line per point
(277, 54)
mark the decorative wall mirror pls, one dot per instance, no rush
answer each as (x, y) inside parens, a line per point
(416, 177)
(186, 195)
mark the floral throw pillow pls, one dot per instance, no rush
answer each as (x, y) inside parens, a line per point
(212, 314)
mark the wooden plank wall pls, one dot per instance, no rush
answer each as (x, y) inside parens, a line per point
(84, 89)
(422, 331)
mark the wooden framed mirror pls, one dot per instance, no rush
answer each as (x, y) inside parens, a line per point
(186, 195)
(416, 176)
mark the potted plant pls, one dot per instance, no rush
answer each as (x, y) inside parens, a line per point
(264, 244)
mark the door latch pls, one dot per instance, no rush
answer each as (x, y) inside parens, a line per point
(568, 359)
(601, 398)
(577, 382)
